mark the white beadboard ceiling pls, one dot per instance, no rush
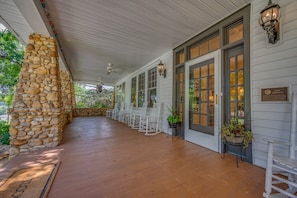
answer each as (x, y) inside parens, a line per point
(127, 33)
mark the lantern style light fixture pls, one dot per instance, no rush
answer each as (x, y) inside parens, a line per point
(269, 20)
(162, 69)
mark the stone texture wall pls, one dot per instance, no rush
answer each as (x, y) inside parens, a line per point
(72, 95)
(89, 112)
(66, 95)
(37, 116)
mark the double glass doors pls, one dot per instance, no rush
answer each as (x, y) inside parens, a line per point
(215, 84)
(204, 99)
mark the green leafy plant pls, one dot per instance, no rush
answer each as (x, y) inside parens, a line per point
(4, 132)
(234, 129)
(173, 116)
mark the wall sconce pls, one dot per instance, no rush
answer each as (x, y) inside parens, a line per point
(162, 69)
(269, 20)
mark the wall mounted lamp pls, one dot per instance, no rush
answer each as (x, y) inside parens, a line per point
(269, 20)
(162, 69)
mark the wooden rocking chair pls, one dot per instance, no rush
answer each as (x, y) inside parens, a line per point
(283, 170)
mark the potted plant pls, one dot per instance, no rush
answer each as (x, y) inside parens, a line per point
(235, 133)
(173, 119)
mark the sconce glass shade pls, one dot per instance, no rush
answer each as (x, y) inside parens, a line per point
(162, 69)
(269, 20)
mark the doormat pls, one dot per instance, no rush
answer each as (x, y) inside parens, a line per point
(33, 182)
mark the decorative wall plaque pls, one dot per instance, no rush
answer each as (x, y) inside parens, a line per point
(274, 94)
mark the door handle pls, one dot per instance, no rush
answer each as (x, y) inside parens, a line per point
(217, 99)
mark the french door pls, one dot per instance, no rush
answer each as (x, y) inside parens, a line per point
(202, 101)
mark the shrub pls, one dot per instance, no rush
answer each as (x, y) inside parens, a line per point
(4, 132)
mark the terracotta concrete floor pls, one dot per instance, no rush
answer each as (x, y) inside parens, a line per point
(101, 157)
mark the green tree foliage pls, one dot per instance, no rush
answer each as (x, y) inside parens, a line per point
(4, 132)
(11, 59)
(87, 96)
(3, 109)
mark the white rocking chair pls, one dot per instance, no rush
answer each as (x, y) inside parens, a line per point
(150, 124)
(138, 116)
(122, 113)
(283, 170)
(110, 111)
(115, 112)
(128, 114)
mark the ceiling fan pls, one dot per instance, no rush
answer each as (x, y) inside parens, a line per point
(109, 68)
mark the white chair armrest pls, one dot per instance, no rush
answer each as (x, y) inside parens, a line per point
(277, 142)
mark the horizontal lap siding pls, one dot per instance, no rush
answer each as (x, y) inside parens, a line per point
(272, 66)
(165, 89)
(164, 85)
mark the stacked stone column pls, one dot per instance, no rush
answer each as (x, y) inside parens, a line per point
(37, 113)
(73, 96)
(66, 86)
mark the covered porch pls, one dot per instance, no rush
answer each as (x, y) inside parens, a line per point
(101, 157)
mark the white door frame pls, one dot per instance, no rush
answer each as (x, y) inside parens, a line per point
(202, 139)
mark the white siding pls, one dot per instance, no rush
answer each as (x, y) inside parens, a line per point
(272, 66)
(164, 85)
(165, 89)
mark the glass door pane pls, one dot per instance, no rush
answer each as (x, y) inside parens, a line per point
(235, 87)
(141, 89)
(133, 91)
(201, 96)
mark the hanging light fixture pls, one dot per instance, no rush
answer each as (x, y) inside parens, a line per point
(269, 20)
(162, 69)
